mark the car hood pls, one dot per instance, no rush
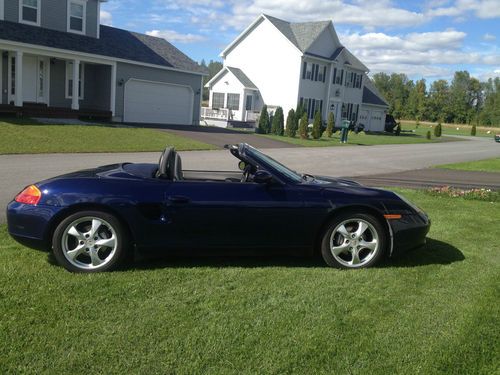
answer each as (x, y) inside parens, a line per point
(325, 181)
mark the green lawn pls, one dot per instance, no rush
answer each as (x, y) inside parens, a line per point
(356, 139)
(448, 129)
(19, 137)
(432, 311)
(487, 165)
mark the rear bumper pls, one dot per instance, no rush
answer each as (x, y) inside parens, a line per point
(29, 225)
(409, 232)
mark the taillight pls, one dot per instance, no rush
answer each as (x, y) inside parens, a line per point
(30, 195)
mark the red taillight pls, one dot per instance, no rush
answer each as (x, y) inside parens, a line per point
(30, 195)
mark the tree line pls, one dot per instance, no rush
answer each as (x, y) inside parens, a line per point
(464, 100)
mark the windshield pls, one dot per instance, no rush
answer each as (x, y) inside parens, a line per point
(267, 161)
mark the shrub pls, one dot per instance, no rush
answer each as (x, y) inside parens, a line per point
(317, 129)
(330, 125)
(278, 122)
(304, 127)
(473, 130)
(428, 136)
(397, 131)
(438, 130)
(264, 125)
(291, 124)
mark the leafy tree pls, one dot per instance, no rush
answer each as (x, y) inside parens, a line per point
(317, 129)
(291, 124)
(473, 130)
(304, 127)
(428, 136)
(264, 125)
(278, 122)
(438, 130)
(330, 125)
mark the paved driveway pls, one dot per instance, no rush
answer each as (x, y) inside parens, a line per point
(17, 171)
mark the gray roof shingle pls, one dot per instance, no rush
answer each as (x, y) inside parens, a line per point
(242, 77)
(369, 97)
(113, 42)
(303, 34)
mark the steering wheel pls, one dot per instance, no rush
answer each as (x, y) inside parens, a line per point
(246, 173)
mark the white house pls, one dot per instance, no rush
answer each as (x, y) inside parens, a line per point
(279, 63)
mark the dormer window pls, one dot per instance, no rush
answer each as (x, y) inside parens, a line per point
(29, 12)
(76, 16)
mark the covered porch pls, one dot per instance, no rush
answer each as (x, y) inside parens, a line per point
(40, 82)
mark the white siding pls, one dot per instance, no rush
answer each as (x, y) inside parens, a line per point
(325, 45)
(271, 62)
(229, 84)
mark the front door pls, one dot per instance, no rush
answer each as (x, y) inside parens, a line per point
(34, 79)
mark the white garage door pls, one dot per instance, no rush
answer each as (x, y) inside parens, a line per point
(158, 103)
(377, 121)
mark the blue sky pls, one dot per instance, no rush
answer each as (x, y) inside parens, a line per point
(428, 38)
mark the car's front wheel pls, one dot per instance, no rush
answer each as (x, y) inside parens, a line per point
(90, 241)
(353, 240)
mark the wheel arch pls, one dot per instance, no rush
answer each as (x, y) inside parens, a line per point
(56, 220)
(352, 208)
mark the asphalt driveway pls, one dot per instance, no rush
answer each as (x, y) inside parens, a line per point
(18, 171)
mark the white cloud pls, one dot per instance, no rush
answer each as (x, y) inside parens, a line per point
(489, 37)
(481, 8)
(106, 18)
(174, 36)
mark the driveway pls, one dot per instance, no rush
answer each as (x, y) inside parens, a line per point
(17, 171)
(223, 136)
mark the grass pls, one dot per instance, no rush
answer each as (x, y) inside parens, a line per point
(431, 311)
(448, 129)
(487, 165)
(356, 139)
(26, 136)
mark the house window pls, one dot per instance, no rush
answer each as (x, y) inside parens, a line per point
(1, 9)
(76, 16)
(217, 100)
(249, 105)
(29, 12)
(13, 76)
(233, 101)
(41, 78)
(69, 80)
(320, 74)
(309, 70)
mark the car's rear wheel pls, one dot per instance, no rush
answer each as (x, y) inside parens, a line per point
(353, 240)
(90, 241)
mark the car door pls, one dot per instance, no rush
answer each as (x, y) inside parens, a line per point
(228, 214)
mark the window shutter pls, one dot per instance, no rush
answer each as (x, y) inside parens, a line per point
(324, 74)
(341, 76)
(334, 75)
(304, 70)
(316, 73)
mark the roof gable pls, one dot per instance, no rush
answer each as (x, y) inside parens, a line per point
(237, 73)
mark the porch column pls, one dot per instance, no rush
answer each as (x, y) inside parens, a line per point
(18, 100)
(75, 102)
(113, 90)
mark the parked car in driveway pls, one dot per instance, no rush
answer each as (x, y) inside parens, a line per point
(94, 219)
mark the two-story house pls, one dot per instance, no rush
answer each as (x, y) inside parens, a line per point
(57, 59)
(279, 63)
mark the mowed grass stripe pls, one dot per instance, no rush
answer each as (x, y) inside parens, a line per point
(430, 311)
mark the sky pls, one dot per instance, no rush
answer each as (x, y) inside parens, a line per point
(428, 39)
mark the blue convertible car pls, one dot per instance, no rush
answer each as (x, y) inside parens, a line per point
(93, 220)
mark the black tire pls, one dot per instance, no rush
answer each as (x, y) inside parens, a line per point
(110, 229)
(372, 259)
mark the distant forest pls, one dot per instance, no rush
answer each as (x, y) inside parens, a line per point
(465, 100)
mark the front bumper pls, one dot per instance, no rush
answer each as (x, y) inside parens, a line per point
(29, 225)
(409, 232)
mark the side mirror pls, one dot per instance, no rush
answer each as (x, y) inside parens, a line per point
(262, 177)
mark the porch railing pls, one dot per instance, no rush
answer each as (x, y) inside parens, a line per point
(215, 114)
(252, 116)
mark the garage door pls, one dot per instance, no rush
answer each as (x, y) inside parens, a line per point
(158, 103)
(377, 121)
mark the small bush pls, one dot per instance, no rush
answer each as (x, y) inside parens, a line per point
(317, 129)
(472, 194)
(304, 127)
(473, 130)
(330, 125)
(264, 125)
(397, 131)
(428, 136)
(278, 122)
(438, 130)
(291, 124)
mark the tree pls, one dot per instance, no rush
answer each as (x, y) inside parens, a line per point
(417, 101)
(291, 124)
(317, 130)
(438, 130)
(473, 130)
(304, 127)
(439, 101)
(264, 126)
(278, 122)
(428, 136)
(330, 125)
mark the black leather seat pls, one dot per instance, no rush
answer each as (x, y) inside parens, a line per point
(177, 169)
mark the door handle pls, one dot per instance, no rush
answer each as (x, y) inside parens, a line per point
(178, 199)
